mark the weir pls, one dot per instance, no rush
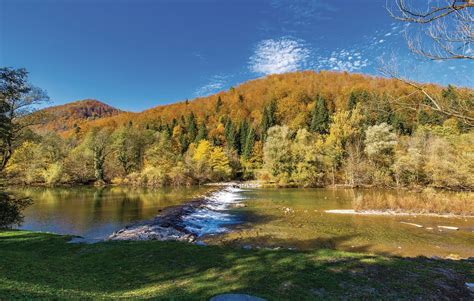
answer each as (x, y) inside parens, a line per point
(208, 215)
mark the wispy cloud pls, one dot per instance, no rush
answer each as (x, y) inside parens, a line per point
(342, 60)
(215, 84)
(278, 56)
(360, 57)
(302, 12)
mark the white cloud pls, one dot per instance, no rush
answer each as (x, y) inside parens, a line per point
(215, 84)
(278, 56)
(341, 60)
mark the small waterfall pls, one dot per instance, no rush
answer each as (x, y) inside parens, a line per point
(214, 215)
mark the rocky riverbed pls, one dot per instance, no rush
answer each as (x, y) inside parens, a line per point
(207, 215)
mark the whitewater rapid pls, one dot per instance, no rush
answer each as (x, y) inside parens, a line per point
(214, 216)
(208, 215)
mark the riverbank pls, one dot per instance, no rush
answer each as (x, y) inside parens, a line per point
(394, 213)
(41, 265)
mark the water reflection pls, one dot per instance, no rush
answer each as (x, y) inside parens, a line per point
(11, 210)
(297, 218)
(94, 213)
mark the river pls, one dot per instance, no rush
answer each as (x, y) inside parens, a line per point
(275, 218)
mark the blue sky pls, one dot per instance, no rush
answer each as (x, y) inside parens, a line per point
(136, 54)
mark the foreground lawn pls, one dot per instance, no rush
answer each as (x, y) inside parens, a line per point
(39, 265)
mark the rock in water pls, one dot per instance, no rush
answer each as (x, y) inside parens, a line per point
(412, 224)
(235, 297)
(448, 228)
(151, 232)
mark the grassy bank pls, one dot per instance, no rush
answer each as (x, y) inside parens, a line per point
(45, 266)
(428, 201)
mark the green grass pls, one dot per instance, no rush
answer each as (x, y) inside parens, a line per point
(41, 265)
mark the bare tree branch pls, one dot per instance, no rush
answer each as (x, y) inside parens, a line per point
(448, 29)
(462, 110)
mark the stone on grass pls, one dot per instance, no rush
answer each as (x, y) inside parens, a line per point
(235, 297)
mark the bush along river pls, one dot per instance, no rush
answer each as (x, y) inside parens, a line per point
(249, 218)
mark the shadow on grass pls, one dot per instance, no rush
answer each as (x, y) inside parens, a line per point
(44, 265)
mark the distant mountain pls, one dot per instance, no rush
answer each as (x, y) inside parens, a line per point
(65, 117)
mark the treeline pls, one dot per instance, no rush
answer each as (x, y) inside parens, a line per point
(364, 139)
(345, 147)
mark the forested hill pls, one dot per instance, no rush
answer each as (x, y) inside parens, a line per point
(302, 128)
(292, 94)
(72, 115)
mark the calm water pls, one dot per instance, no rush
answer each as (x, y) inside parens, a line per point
(296, 218)
(271, 218)
(95, 213)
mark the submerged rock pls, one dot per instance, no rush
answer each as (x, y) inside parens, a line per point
(152, 232)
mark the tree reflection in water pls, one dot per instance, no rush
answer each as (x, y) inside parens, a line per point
(11, 210)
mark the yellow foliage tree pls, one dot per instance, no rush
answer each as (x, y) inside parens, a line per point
(219, 164)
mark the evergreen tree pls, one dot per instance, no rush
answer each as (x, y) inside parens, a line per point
(320, 117)
(192, 127)
(174, 122)
(218, 104)
(268, 118)
(230, 133)
(168, 130)
(248, 145)
(202, 132)
(352, 102)
(357, 97)
(184, 143)
(243, 132)
(182, 121)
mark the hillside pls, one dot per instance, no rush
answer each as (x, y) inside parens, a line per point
(302, 128)
(66, 117)
(294, 94)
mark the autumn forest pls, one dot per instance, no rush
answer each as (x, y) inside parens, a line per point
(303, 129)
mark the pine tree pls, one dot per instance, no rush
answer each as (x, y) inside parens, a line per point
(249, 143)
(352, 102)
(192, 127)
(230, 134)
(218, 104)
(184, 143)
(202, 132)
(182, 121)
(243, 132)
(268, 118)
(320, 117)
(174, 122)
